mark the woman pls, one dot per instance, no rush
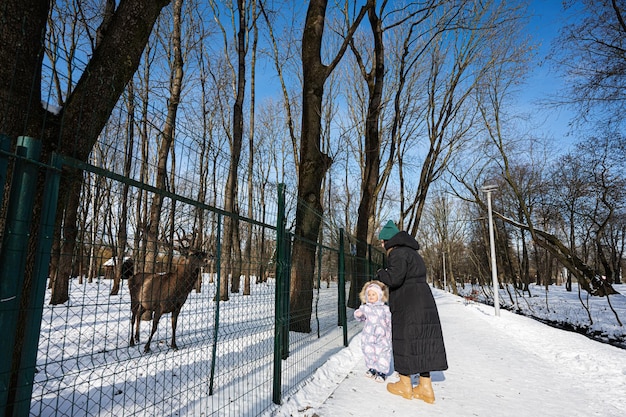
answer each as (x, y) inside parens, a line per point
(417, 338)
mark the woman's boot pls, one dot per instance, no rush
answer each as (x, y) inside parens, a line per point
(403, 387)
(424, 391)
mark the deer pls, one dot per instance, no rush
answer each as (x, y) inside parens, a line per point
(161, 293)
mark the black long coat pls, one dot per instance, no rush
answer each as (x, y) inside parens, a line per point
(417, 338)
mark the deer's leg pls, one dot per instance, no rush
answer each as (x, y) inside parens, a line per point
(133, 316)
(174, 323)
(138, 312)
(155, 324)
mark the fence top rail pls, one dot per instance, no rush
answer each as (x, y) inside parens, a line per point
(75, 163)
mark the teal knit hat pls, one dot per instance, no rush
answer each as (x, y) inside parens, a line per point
(388, 231)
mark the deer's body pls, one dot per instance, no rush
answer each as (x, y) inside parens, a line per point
(159, 294)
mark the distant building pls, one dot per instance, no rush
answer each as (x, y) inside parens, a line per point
(127, 267)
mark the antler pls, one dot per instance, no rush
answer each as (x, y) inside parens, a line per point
(183, 241)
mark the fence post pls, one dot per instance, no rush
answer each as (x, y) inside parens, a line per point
(285, 286)
(216, 324)
(34, 299)
(341, 287)
(320, 254)
(5, 362)
(279, 314)
(12, 264)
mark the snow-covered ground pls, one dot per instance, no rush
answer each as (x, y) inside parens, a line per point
(507, 365)
(601, 318)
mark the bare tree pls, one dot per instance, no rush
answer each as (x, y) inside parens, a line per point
(251, 151)
(279, 64)
(166, 139)
(122, 231)
(374, 80)
(444, 236)
(313, 163)
(490, 103)
(83, 114)
(231, 258)
(465, 48)
(273, 141)
(204, 142)
(142, 203)
(72, 27)
(590, 52)
(601, 162)
(569, 188)
(374, 77)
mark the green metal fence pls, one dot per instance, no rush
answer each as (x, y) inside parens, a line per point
(235, 356)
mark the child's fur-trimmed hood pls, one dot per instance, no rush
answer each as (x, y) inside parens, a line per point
(383, 287)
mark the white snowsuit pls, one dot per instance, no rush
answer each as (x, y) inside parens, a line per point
(376, 335)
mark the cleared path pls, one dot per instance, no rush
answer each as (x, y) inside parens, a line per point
(498, 366)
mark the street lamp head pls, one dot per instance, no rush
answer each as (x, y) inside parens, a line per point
(488, 188)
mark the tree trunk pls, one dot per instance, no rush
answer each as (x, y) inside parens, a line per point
(122, 234)
(167, 138)
(231, 248)
(375, 81)
(88, 107)
(313, 163)
(141, 203)
(110, 67)
(313, 167)
(60, 287)
(251, 155)
(583, 273)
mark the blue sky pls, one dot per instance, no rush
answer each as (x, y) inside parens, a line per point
(547, 17)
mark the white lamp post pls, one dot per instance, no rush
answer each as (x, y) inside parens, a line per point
(494, 271)
(445, 285)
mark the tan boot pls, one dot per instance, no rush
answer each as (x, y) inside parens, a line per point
(403, 387)
(424, 391)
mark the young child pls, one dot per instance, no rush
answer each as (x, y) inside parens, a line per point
(376, 334)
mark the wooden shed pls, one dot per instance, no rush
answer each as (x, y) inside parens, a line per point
(127, 267)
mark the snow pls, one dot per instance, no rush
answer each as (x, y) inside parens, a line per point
(507, 365)
(510, 365)
(113, 260)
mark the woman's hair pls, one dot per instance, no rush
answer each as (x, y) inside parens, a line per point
(383, 288)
